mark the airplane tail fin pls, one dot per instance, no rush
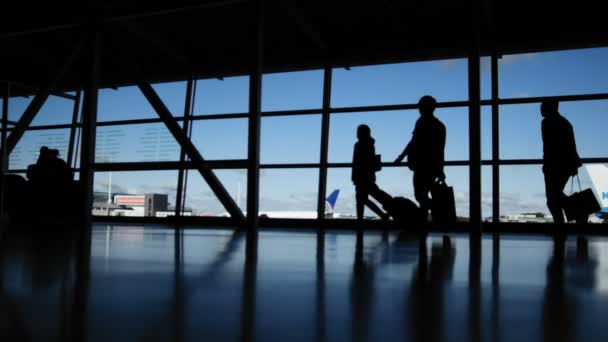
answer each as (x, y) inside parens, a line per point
(330, 202)
(599, 177)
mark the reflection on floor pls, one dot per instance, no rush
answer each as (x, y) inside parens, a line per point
(158, 284)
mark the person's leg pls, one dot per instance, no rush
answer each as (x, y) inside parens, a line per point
(379, 195)
(554, 189)
(422, 186)
(361, 197)
(374, 207)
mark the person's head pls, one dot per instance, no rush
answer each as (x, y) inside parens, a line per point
(427, 105)
(43, 153)
(363, 132)
(54, 153)
(549, 108)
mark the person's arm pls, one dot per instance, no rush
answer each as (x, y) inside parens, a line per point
(353, 168)
(576, 162)
(406, 150)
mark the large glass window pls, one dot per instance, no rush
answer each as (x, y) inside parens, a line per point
(389, 84)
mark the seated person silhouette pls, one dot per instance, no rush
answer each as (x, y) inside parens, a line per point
(364, 174)
(50, 181)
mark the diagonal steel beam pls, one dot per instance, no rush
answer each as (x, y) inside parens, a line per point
(38, 101)
(192, 152)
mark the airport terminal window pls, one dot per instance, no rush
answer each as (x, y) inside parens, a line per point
(222, 96)
(290, 139)
(200, 199)
(390, 84)
(129, 193)
(285, 191)
(568, 72)
(292, 90)
(26, 151)
(135, 143)
(221, 138)
(487, 203)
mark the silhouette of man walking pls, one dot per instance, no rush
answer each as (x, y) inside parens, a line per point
(560, 159)
(363, 175)
(425, 152)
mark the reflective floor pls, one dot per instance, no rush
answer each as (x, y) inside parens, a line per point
(155, 284)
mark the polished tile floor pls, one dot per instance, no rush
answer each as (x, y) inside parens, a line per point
(153, 284)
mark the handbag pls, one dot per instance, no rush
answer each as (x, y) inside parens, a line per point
(581, 204)
(443, 205)
(377, 162)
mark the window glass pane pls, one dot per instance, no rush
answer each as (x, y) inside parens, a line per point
(522, 191)
(289, 193)
(293, 90)
(486, 132)
(589, 120)
(486, 193)
(16, 106)
(400, 83)
(200, 199)
(135, 143)
(230, 95)
(27, 149)
(520, 134)
(392, 130)
(124, 103)
(134, 193)
(55, 111)
(554, 73)
(221, 139)
(290, 139)
(486, 78)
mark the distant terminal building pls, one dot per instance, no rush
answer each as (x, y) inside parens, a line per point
(150, 205)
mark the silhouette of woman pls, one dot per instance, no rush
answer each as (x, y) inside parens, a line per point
(364, 173)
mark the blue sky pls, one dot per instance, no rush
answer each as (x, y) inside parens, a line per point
(297, 139)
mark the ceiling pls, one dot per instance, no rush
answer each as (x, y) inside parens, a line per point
(173, 40)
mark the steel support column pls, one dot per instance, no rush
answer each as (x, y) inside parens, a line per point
(324, 143)
(3, 154)
(32, 109)
(475, 127)
(89, 123)
(495, 142)
(192, 152)
(73, 129)
(255, 104)
(87, 159)
(182, 155)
